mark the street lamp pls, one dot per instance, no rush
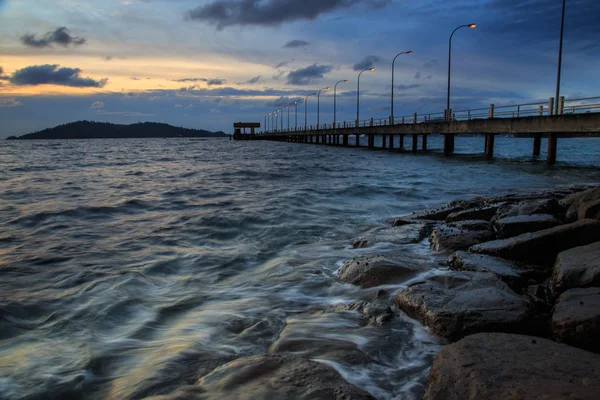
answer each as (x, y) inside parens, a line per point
(296, 104)
(289, 116)
(319, 104)
(392, 105)
(560, 49)
(334, 101)
(472, 26)
(306, 108)
(358, 95)
(281, 119)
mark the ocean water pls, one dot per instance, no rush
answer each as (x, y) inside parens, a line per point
(130, 268)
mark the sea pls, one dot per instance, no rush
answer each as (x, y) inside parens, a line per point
(131, 268)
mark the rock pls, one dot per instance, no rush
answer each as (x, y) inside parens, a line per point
(542, 247)
(589, 209)
(445, 237)
(370, 271)
(576, 318)
(577, 200)
(577, 268)
(405, 234)
(436, 214)
(472, 225)
(513, 226)
(509, 272)
(505, 366)
(485, 213)
(531, 207)
(376, 314)
(457, 304)
(271, 377)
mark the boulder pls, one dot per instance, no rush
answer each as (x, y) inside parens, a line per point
(434, 214)
(542, 247)
(505, 366)
(370, 271)
(457, 304)
(376, 314)
(485, 213)
(513, 226)
(270, 377)
(531, 207)
(445, 237)
(583, 201)
(576, 318)
(509, 272)
(589, 209)
(577, 268)
(404, 234)
(471, 224)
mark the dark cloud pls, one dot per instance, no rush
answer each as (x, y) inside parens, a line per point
(209, 82)
(308, 75)
(368, 62)
(53, 75)
(283, 64)
(224, 13)
(61, 36)
(294, 44)
(418, 75)
(254, 80)
(408, 87)
(280, 102)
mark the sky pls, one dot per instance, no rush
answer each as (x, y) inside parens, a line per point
(208, 63)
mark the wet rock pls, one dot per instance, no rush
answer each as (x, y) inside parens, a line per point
(370, 271)
(472, 224)
(376, 314)
(271, 377)
(583, 204)
(513, 226)
(485, 213)
(576, 318)
(457, 304)
(577, 268)
(542, 247)
(531, 207)
(436, 214)
(505, 366)
(513, 274)
(405, 234)
(448, 238)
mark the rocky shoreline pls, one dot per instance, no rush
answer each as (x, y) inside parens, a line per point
(519, 301)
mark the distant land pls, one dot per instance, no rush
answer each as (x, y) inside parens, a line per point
(105, 130)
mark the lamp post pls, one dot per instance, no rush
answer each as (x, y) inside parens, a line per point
(272, 117)
(319, 105)
(472, 26)
(289, 116)
(560, 49)
(392, 104)
(281, 119)
(296, 119)
(334, 101)
(306, 108)
(358, 95)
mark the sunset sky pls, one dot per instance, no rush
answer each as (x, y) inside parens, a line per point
(207, 63)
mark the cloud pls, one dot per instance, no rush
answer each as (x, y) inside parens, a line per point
(308, 75)
(98, 104)
(209, 82)
(253, 81)
(127, 113)
(367, 63)
(60, 36)
(283, 64)
(10, 103)
(224, 13)
(418, 75)
(408, 87)
(53, 75)
(178, 106)
(294, 44)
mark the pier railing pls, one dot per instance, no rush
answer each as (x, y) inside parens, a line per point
(566, 106)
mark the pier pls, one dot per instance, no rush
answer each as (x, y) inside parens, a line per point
(575, 118)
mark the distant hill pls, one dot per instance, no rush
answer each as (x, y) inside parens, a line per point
(105, 130)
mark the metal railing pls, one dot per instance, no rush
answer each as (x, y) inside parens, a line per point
(566, 106)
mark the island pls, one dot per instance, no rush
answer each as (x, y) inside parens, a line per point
(105, 130)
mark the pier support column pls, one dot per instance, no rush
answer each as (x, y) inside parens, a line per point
(357, 140)
(424, 142)
(391, 142)
(383, 141)
(448, 144)
(371, 141)
(489, 146)
(401, 144)
(552, 143)
(537, 144)
(415, 138)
